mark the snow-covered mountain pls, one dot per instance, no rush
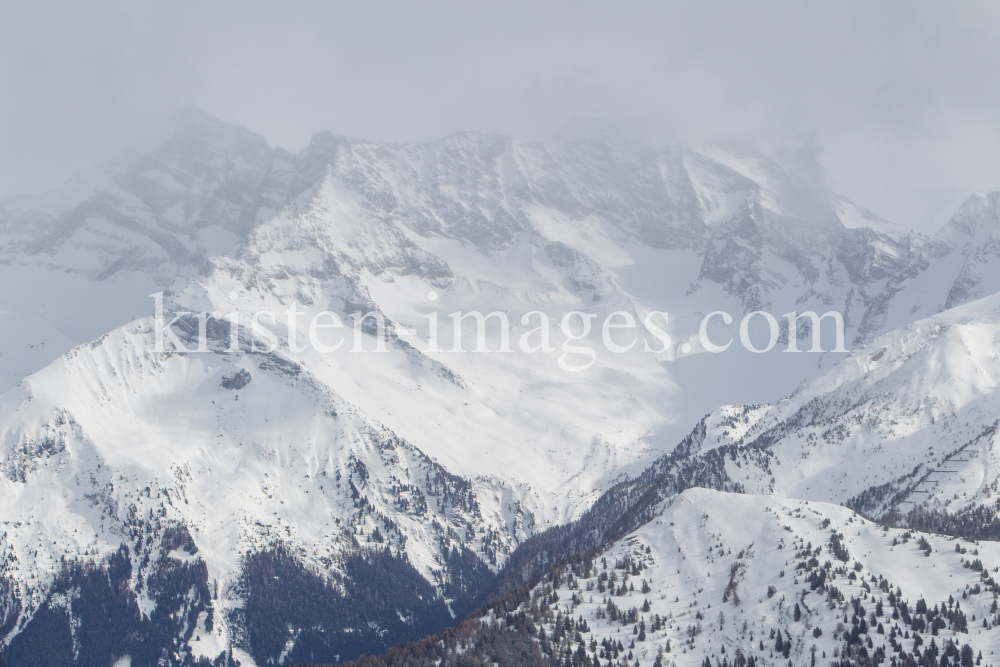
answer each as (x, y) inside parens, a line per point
(918, 406)
(612, 218)
(234, 496)
(726, 579)
(902, 430)
(957, 265)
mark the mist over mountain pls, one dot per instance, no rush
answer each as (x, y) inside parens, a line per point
(220, 487)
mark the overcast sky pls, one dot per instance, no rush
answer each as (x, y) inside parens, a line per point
(893, 104)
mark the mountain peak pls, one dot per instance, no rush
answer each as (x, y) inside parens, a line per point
(979, 213)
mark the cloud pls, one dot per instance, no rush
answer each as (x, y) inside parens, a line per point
(805, 160)
(889, 103)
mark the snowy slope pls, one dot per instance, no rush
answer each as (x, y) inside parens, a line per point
(85, 256)
(449, 459)
(726, 573)
(960, 263)
(82, 259)
(561, 437)
(115, 443)
(917, 406)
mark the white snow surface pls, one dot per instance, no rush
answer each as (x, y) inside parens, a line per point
(916, 408)
(703, 541)
(99, 431)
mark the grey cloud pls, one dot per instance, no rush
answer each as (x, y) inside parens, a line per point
(892, 103)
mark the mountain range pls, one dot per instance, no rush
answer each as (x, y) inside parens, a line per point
(166, 502)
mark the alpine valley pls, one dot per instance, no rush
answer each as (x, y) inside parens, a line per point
(212, 487)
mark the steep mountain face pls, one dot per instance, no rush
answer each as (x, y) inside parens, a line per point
(957, 265)
(917, 408)
(284, 494)
(82, 260)
(86, 256)
(193, 460)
